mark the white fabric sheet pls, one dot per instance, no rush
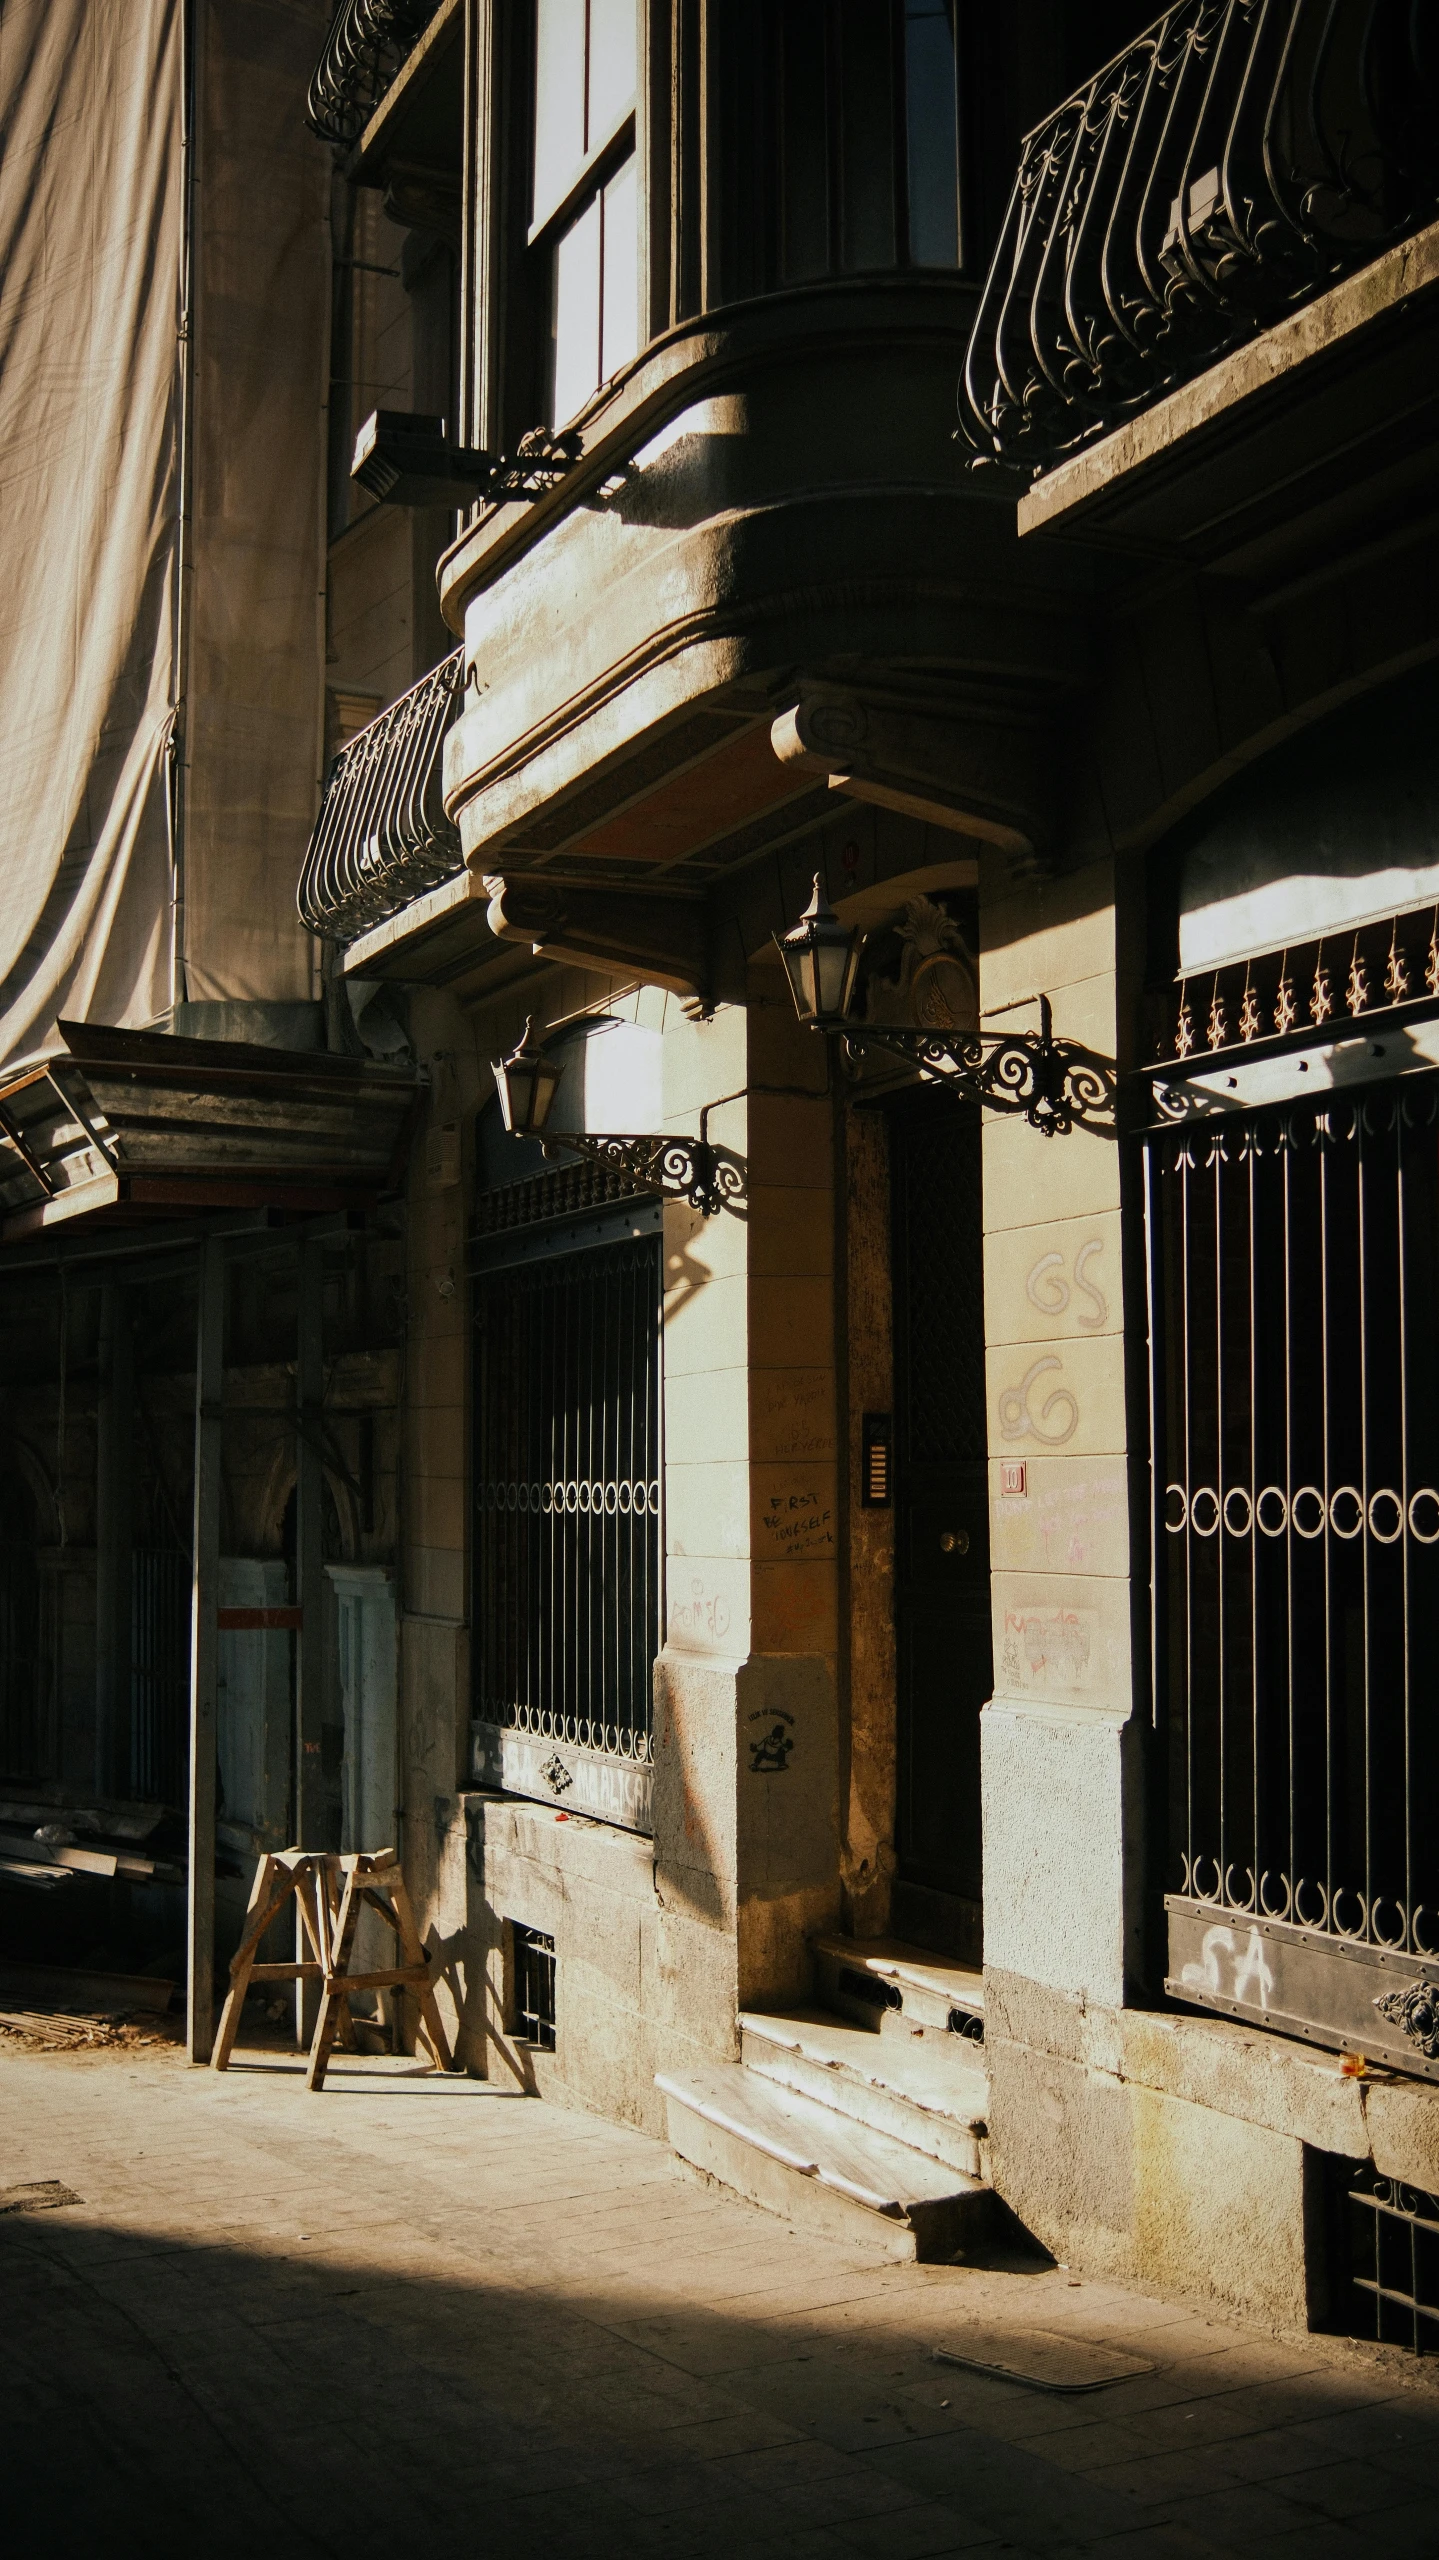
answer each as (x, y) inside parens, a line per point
(90, 235)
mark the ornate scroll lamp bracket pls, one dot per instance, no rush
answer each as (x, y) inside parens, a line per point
(679, 1168)
(1053, 1082)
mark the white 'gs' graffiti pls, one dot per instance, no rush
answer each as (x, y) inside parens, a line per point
(1047, 1288)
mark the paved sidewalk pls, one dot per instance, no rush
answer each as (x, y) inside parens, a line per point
(423, 2315)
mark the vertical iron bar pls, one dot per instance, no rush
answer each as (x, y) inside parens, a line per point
(1365, 1550)
(1401, 1203)
(309, 1640)
(1287, 1161)
(1221, 1647)
(1324, 1425)
(204, 1652)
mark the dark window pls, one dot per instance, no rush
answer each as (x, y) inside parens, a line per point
(931, 97)
(29, 1739)
(1384, 2241)
(534, 2018)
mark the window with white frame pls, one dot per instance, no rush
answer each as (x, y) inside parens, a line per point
(584, 205)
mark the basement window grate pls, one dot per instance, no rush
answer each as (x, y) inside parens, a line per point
(1388, 2259)
(870, 1988)
(534, 1987)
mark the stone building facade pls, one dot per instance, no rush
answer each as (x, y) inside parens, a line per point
(910, 1628)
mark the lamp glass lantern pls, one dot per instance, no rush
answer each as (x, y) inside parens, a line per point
(821, 958)
(526, 1083)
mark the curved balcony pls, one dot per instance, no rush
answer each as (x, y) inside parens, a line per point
(382, 836)
(1237, 160)
(366, 49)
(768, 504)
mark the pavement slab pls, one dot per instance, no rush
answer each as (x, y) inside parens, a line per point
(431, 2313)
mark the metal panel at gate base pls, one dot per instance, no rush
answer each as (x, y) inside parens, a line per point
(568, 1550)
(589, 1782)
(1303, 1983)
(1295, 1277)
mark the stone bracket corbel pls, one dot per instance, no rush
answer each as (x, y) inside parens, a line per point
(658, 937)
(968, 770)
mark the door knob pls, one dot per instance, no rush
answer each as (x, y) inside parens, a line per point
(954, 1542)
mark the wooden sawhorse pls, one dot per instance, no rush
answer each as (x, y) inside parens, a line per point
(330, 1892)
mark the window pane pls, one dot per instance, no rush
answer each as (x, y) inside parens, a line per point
(559, 100)
(620, 336)
(933, 132)
(804, 195)
(576, 357)
(612, 66)
(867, 220)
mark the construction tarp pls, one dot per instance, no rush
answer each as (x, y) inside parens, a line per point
(256, 677)
(90, 266)
(113, 851)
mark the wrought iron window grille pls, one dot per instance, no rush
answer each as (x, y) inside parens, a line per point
(1387, 2251)
(367, 47)
(1232, 163)
(1295, 1405)
(534, 1987)
(382, 836)
(568, 1552)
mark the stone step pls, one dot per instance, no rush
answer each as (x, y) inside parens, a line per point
(926, 2088)
(886, 1976)
(821, 2171)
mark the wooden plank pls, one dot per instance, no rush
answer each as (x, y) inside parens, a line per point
(414, 1954)
(334, 1997)
(204, 1651)
(390, 1981)
(242, 1965)
(86, 1862)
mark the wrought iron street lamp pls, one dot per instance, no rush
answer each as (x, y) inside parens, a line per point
(821, 958)
(1053, 1082)
(683, 1168)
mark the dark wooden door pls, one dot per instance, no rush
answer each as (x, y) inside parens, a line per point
(942, 1517)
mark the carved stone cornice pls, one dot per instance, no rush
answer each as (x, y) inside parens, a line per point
(970, 767)
(660, 937)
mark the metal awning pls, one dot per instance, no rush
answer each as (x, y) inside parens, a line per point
(138, 1125)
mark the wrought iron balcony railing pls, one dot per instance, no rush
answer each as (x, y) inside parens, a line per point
(368, 45)
(382, 836)
(1236, 160)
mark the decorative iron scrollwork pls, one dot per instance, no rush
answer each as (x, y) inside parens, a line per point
(689, 1169)
(538, 461)
(1414, 2010)
(1236, 160)
(557, 1774)
(1053, 1082)
(368, 45)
